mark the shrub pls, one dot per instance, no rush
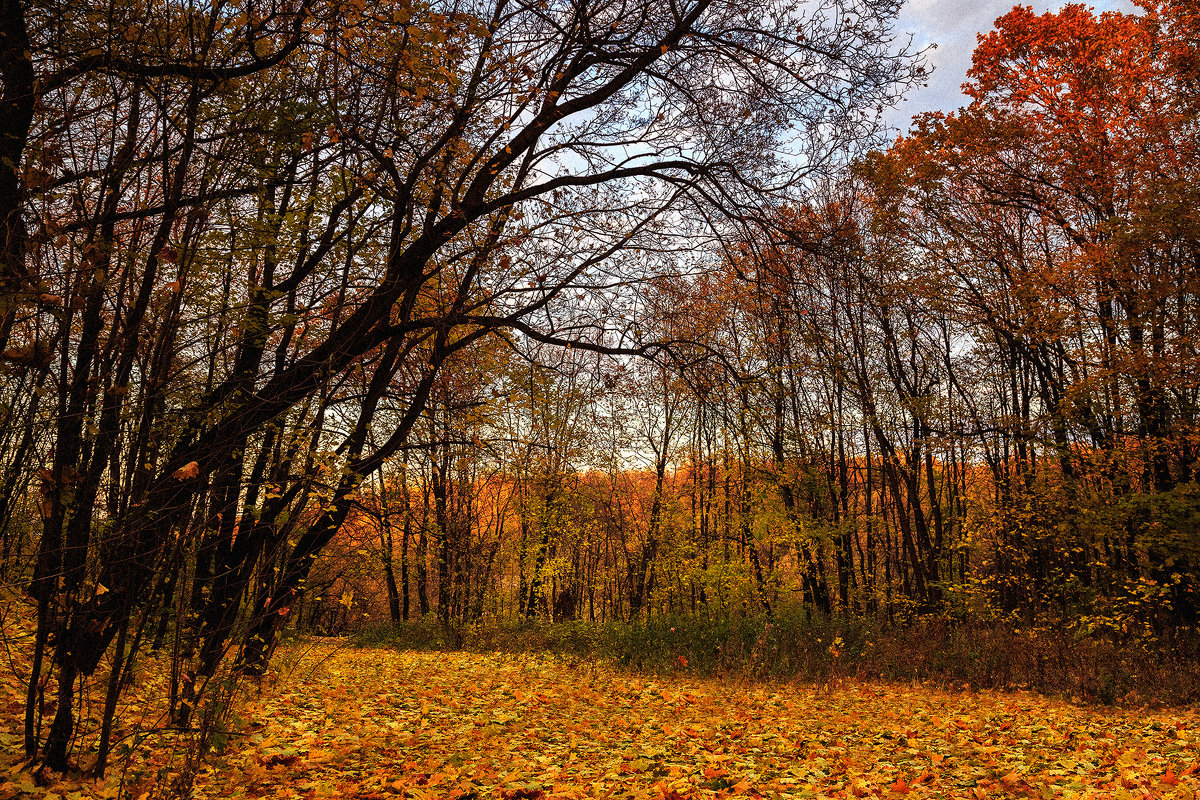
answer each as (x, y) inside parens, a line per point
(1052, 657)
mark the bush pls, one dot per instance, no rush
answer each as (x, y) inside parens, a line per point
(1052, 658)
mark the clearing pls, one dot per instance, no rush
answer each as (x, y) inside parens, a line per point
(384, 724)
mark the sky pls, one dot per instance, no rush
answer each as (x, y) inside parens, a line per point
(953, 25)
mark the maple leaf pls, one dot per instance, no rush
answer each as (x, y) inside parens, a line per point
(523, 794)
(187, 471)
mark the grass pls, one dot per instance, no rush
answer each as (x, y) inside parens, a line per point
(1046, 658)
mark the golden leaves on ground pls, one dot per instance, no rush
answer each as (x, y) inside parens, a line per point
(144, 743)
(383, 724)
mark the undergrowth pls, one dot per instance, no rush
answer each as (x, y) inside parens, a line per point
(1048, 658)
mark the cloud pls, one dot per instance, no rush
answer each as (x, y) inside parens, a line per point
(953, 26)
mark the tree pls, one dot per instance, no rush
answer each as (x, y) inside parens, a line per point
(258, 202)
(1055, 215)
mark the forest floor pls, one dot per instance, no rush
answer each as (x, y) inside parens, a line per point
(373, 723)
(381, 723)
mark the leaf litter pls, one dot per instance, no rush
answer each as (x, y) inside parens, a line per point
(376, 723)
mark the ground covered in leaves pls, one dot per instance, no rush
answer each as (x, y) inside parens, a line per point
(338, 722)
(385, 724)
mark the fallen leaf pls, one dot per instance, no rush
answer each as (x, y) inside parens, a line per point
(187, 471)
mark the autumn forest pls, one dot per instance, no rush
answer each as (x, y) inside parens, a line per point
(616, 329)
